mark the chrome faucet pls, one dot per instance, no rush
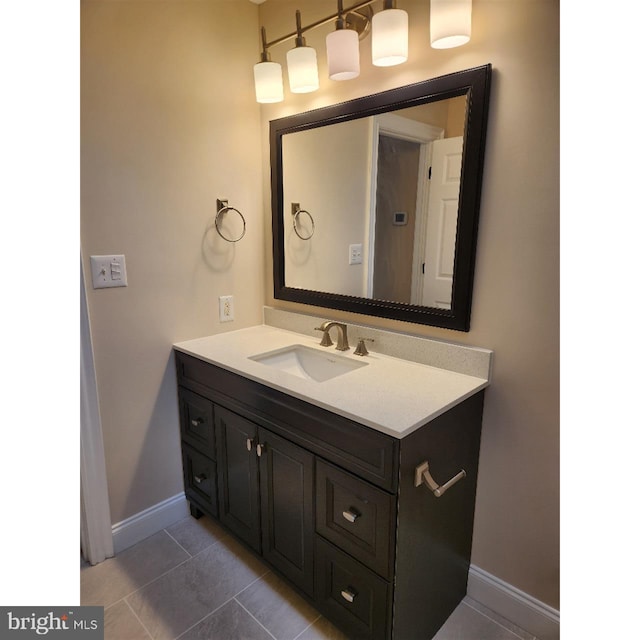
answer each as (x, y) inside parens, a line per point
(343, 342)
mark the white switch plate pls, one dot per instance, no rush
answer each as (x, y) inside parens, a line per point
(108, 271)
(225, 305)
(355, 254)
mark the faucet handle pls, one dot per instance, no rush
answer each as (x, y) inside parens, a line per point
(361, 349)
(326, 338)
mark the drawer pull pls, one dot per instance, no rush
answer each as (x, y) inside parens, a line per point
(423, 476)
(351, 515)
(201, 478)
(348, 594)
(197, 422)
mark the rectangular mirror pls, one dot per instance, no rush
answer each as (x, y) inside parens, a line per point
(375, 201)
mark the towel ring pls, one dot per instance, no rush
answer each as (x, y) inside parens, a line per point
(295, 212)
(222, 208)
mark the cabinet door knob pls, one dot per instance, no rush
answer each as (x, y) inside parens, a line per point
(349, 594)
(201, 478)
(249, 444)
(260, 448)
(197, 422)
(351, 515)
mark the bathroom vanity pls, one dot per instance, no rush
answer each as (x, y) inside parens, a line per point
(318, 474)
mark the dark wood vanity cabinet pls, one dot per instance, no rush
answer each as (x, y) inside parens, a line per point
(331, 504)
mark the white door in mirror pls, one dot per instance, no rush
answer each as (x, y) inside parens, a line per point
(108, 271)
(442, 222)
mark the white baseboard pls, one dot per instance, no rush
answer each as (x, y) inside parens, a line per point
(150, 521)
(518, 607)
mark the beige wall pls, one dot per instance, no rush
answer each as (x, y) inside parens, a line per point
(169, 124)
(516, 297)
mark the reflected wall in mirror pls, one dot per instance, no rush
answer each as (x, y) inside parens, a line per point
(375, 201)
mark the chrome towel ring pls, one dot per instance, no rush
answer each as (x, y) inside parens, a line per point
(295, 212)
(222, 207)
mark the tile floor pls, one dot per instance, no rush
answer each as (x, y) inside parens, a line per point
(192, 581)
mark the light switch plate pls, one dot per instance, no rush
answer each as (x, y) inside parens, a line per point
(108, 271)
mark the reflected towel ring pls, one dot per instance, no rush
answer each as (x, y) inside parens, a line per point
(295, 212)
(222, 208)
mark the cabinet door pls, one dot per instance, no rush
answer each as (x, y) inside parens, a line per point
(238, 496)
(286, 490)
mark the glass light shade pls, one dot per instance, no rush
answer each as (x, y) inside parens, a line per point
(268, 82)
(450, 23)
(302, 67)
(343, 54)
(390, 37)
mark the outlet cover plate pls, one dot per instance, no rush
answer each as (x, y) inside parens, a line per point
(225, 308)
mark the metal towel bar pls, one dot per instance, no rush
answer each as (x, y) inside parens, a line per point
(423, 476)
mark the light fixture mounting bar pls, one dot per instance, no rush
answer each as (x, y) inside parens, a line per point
(318, 23)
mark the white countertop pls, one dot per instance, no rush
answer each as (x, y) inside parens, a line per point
(390, 395)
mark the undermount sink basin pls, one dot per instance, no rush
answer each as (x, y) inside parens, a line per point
(308, 363)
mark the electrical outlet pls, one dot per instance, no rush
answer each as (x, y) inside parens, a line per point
(225, 305)
(355, 254)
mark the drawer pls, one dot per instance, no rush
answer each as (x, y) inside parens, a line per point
(196, 422)
(200, 479)
(356, 516)
(351, 595)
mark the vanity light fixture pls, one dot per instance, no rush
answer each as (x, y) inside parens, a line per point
(450, 23)
(389, 36)
(343, 50)
(450, 27)
(302, 64)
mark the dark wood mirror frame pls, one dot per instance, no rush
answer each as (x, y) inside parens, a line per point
(475, 84)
